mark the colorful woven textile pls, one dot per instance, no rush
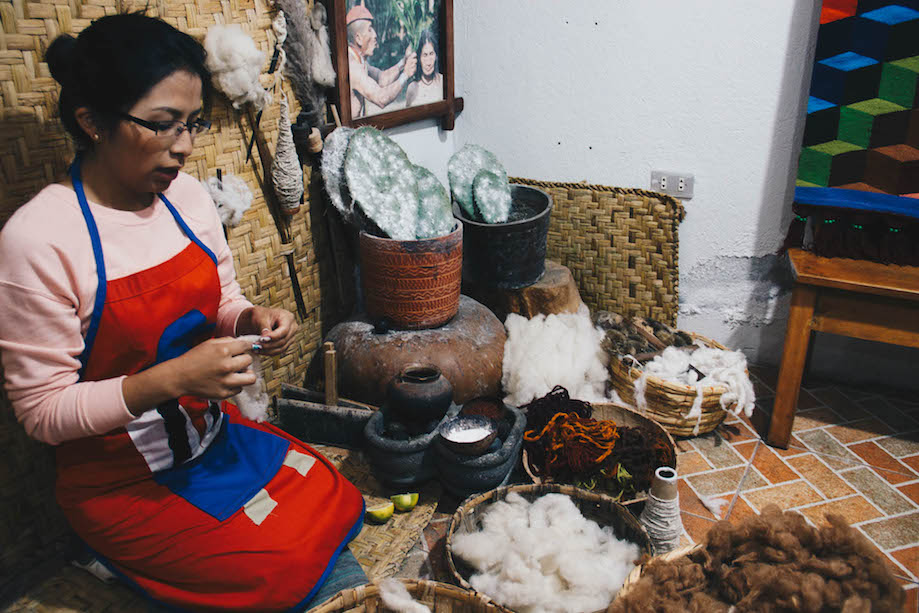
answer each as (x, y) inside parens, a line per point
(862, 128)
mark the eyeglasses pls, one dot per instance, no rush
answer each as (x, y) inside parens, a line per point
(170, 129)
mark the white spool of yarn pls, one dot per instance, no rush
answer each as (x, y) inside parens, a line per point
(286, 173)
(661, 515)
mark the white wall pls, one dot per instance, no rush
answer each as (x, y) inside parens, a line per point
(607, 90)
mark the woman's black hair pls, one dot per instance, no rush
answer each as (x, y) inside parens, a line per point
(114, 62)
(427, 37)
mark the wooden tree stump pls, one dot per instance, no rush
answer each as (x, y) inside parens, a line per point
(555, 292)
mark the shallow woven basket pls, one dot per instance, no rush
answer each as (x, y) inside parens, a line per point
(437, 596)
(597, 507)
(635, 575)
(668, 403)
(623, 416)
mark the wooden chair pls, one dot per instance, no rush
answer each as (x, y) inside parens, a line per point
(855, 298)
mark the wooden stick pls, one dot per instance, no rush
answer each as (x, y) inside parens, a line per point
(331, 374)
(335, 115)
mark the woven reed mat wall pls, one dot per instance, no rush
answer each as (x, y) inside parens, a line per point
(34, 151)
(622, 246)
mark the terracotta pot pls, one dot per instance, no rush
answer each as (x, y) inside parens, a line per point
(412, 285)
(420, 393)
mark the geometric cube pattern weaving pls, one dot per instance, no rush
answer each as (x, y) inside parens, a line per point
(862, 126)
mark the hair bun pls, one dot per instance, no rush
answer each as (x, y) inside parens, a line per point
(60, 58)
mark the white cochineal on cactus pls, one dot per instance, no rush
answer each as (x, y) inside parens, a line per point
(492, 196)
(382, 182)
(231, 196)
(435, 216)
(333, 170)
(462, 170)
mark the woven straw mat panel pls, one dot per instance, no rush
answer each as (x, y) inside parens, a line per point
(621, 245)
(34, 151)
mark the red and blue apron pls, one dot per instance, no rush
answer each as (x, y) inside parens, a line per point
(191, 503)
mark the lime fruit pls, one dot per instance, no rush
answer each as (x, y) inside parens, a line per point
(404, 502)
(380, 514)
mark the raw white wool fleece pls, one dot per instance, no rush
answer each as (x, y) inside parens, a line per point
(546, 351)
(396, 598)
(253, 400)
(231, 196)
(720, 367)
(236, 63)
(545, 556)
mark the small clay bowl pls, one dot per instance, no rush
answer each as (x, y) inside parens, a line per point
(486, 406)
(457, 434)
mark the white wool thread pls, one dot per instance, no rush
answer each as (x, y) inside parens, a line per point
(661, 518)
(577, 362)
(253, 400)
(395, 597)
(714, 504)
(279, 25)
(286, 172)
(231, 196)
(727, 369)
(236, 63)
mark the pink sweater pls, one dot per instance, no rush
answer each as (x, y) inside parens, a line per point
(48, 284)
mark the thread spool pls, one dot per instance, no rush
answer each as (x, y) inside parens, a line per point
(315, 141)
(661, 515)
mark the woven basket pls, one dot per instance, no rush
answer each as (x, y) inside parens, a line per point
(668, 402)
(623, 416)
(635, 575)
(437, 596)
(621, 245)
(597, 507)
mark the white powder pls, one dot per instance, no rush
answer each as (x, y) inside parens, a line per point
(469, 435)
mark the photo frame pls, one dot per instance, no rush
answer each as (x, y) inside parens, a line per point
(394, 61)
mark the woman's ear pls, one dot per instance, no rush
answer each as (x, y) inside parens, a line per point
(87, 122)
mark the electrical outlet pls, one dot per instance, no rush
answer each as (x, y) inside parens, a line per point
(677, 184)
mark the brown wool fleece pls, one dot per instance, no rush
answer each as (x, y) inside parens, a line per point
(770, 563)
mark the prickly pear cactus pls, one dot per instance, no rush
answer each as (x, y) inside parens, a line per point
(382, 182)
(435, 215)
(333, 170)
(462, 170)
(492, 196)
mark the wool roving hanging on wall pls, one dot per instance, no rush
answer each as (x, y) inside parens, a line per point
(858, 172)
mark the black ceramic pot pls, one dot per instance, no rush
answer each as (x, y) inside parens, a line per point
(464, 475)
(404, 462)
(508, 255)
(419, 393)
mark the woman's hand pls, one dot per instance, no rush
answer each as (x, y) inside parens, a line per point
(216, 369)
(275, 326)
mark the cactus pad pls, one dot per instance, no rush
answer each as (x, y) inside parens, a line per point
(492, 196)
(435, 215)
(382, 181)
(333, 168)
(462, 169)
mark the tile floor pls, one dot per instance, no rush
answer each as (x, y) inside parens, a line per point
(854, 452)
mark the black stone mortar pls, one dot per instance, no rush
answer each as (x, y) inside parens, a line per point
(463, 475)
(398, 461)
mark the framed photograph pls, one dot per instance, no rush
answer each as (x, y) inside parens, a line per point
(394, 61)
